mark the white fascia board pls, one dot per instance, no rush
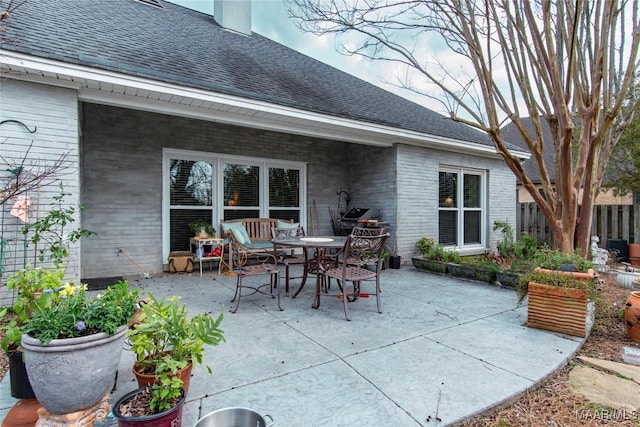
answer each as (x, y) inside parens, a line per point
(283, 119)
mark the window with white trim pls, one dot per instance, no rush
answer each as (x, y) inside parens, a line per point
(216, 188)
(461, 207)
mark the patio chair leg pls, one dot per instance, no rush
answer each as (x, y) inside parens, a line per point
(345, 302)
(378, 295)
(236, 296)
(286, 279)
(279, 290)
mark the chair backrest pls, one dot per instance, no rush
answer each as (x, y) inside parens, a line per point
(367, 231)
(288, 233)
(362, 250)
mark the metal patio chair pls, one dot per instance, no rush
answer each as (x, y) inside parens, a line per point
(364, 263)
(246, 264)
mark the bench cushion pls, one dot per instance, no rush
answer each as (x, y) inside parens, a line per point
(261, 244)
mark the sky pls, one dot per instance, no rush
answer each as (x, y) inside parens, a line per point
(270, 19)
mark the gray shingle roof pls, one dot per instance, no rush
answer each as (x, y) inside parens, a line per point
(181, 46)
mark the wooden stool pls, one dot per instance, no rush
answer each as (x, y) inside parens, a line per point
(84, 418)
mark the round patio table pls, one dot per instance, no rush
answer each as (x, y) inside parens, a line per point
(319, 244)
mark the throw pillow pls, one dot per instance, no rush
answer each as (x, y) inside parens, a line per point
(238, 230)
(283, 224)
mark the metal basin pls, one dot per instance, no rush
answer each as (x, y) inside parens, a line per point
(234, 417)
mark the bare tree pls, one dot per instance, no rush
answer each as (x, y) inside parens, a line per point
(571, 62)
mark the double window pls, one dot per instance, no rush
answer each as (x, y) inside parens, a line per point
(461, 202)
(216, 188)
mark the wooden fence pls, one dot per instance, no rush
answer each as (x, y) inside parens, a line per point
(609, 222)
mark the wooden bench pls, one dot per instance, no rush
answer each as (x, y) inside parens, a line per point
(259, 231)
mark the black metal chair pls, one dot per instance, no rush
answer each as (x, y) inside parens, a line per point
(363, 263)
(245, 263)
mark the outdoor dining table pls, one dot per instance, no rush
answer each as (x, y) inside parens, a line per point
(319, 245)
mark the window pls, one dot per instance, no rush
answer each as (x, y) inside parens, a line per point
(217, 187)
(461, 203)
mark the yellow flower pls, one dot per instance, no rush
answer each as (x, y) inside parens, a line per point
(68, 289)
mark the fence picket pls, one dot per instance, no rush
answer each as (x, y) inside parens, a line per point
(609, 222)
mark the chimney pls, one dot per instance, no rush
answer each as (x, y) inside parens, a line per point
(233, 15)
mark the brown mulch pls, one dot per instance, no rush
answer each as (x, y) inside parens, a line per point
(552, 403)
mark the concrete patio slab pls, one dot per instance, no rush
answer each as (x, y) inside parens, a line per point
(442, 351)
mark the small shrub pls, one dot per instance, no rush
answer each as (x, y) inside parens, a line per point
(424, 246)
(526, 247)
(429, 250)
(506, 246)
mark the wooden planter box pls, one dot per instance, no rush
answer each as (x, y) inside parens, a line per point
(557, 309)
(429, 265)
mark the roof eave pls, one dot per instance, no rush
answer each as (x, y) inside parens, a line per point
(122, 90)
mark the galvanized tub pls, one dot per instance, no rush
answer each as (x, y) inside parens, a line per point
(234, 417)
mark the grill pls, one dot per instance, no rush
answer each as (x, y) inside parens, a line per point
(351, 218)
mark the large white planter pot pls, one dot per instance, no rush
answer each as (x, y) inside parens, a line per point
(70, 375)
(625, 279)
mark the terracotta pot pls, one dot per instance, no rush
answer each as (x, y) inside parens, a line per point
(634, 254)
(23, 414)
(170, 418)
(632, 315)
(145, 379)
(557, 309)
(589, 275)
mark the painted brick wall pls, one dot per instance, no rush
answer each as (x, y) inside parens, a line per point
(418, 193)
(53, 113)
(122, 179)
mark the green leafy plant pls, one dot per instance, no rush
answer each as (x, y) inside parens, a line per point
(70, 312)
(167, 390)
(525, 247)
(52, 230)
(508, 248)
(505, 246)
(31, 288)
(165, 339)
(555, 260)
(202, 225)
(429, 250)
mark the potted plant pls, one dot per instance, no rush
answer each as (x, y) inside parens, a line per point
(558, 302)
(30, 288)
(202, 228)
(567, 263)
(73, 342)
(434, 258)
(165, 336)
(156, 405)
(384, 257)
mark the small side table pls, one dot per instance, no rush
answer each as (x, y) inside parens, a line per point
(211, 242)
